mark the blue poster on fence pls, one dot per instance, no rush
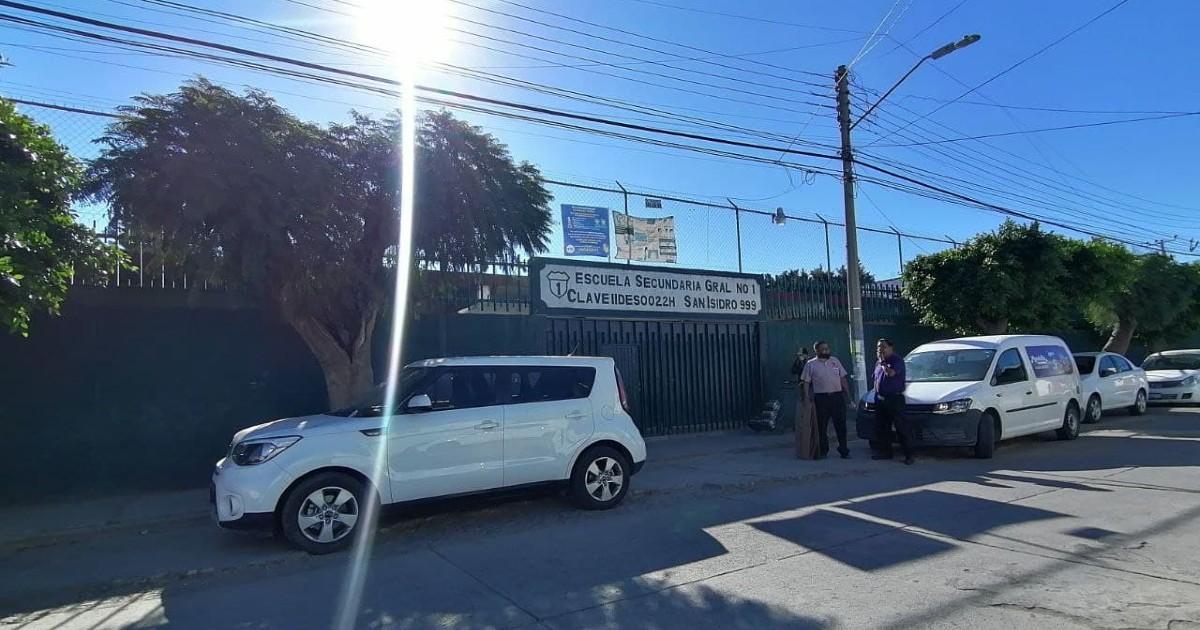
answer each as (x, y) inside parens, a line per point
(585, 231)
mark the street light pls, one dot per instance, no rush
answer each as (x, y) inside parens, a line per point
(937, 54)
(853, 279)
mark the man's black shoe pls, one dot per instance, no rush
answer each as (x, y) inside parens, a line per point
(910, 460)
(845, 454)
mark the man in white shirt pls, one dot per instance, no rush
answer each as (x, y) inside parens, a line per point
(824, 382)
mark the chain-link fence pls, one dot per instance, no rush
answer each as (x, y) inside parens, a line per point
(712, 236)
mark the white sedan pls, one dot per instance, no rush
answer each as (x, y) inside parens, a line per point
(1174, 376)
(1111, 382)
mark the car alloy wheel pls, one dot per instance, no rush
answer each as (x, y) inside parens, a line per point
(1140, 405)
(604, 479)
(1095, 408)
(328, 515)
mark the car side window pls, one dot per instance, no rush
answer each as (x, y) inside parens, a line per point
(546, 384)
(1123, 364)
(463, 388)
(1110, 364)
(1009, 368)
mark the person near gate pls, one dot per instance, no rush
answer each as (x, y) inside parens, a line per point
(890, 402)
(825, 383)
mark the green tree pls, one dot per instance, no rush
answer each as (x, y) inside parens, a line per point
(41, 244)
(1158, 302)
(1017, 278)
(238, 188)
(792, 277)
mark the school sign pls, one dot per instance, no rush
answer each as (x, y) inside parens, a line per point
(616, 290)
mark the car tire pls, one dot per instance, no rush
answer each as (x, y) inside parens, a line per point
(325, 513)
(1140, 404)
(600, 479)
(1095, 409)
(985, 441)
(1071, 422)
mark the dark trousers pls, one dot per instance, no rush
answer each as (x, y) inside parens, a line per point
(830, 407)
(889, 414)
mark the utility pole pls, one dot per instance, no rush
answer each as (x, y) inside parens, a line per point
(853, 280)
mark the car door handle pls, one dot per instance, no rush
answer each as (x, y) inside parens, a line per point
(487, 426)
(576, 415)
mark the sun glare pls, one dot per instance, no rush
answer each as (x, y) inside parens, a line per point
(412, 31)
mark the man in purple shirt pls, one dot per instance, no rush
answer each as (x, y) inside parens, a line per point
(889, 403)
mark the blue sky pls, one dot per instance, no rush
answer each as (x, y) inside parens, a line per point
(767, 66)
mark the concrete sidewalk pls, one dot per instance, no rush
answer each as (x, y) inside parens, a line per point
(667, 466)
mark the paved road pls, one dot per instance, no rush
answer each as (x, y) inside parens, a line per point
(1098, 533)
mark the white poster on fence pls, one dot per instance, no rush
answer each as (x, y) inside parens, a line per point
(645, 240)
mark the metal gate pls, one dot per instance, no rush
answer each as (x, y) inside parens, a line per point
(681, 377)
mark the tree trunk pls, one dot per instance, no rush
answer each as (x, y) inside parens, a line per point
(1122, 334)
(993, 326)
(348, 371)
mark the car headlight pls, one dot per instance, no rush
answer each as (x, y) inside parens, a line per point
(954, 406)
(256, 451)
(1191, 381)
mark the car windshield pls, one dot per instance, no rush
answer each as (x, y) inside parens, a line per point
(1085, 363)
(935, 366)
(1172, 362)
(372, 404)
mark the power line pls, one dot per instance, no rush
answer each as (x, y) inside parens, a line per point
(64, 108)
(1057, 110)
(629, 44)
(536, 110)
(1025, 60)
(1123, 121)
(927, 28)
(868, 46)
(748, 17)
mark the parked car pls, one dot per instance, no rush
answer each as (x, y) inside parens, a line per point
(463, 426)
(1111, 382)
(1174, 376)
(976, 391)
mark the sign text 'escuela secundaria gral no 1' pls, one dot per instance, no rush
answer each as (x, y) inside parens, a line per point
(587, 288)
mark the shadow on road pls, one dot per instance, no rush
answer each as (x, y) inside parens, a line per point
(641, 566)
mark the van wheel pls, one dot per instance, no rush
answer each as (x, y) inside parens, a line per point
(325, 513)
(1139, 405)
(600, 480)
(985, 442)
(1094, 409)
(1070, 426)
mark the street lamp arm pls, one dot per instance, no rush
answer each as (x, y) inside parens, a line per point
(937, 54)
(890, 90)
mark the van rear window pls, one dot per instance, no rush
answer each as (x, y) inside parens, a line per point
(1050, 361)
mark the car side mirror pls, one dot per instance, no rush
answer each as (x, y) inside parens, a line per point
(419, 404)
(1008, 375)
(1108, 371)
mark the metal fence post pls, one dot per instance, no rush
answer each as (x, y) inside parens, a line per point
(899, 248)
(828, 252)
(737, 218)
(628, 225)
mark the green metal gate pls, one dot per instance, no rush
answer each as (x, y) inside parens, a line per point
(681, 377)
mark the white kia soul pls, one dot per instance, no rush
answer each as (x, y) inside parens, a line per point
(462, 426)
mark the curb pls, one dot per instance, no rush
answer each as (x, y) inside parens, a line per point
(86, 532)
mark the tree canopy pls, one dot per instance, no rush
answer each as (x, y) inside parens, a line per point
(1159, 300)
(1018, 278)
(819, 274)
(41, 244)
(234, 186)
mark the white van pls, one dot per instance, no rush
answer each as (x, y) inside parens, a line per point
(976, 391)
(462, 426)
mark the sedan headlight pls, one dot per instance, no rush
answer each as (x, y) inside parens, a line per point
(954, 406)
(256, 451)
(1191, 381)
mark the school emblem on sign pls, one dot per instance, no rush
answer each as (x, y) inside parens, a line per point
(559, 282)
